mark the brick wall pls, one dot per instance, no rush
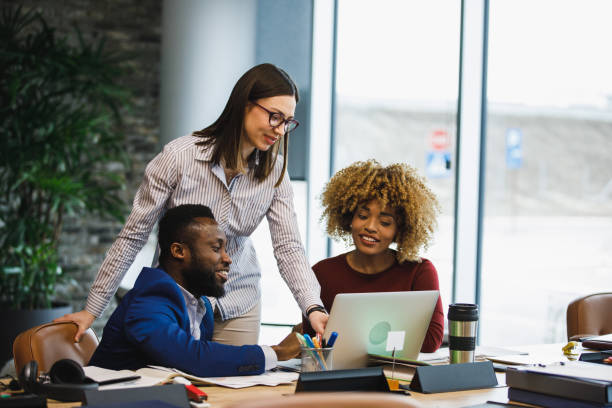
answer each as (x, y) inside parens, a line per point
(132, 26)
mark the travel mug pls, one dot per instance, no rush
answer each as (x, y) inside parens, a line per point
(462, 323)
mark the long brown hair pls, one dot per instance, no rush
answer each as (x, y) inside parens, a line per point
(225, 134)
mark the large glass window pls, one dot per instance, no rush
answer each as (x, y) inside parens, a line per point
(548, 204)
(396, 98)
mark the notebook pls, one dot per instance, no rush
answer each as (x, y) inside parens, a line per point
(363, 320)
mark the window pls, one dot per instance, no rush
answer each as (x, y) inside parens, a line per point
(547, 227)
(396, 99)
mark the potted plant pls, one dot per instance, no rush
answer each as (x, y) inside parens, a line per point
(62, 153)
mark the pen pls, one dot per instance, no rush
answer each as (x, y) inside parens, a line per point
(332, 339)
(318, 356)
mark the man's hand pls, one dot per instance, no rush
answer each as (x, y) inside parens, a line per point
(318, 320)
(288, 348)
(83, 319)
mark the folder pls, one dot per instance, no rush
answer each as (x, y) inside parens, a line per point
(561, 386)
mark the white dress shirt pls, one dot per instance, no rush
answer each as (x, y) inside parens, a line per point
(196, 311)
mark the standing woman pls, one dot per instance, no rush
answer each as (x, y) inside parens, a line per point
(232, 166)
(372, 206)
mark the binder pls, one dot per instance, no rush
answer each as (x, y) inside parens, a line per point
(567, 387)
(550, 401)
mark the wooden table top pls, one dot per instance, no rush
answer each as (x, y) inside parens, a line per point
(219, 397)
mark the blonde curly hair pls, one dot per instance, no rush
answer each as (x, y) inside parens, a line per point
(398, 186)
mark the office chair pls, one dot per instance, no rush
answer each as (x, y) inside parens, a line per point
(51, 342)
(589, 316)
(330, 400)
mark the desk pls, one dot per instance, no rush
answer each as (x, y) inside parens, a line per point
(221, 396)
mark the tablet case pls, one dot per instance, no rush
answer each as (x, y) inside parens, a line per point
(361, 379)
(453, 377)
(173, 394)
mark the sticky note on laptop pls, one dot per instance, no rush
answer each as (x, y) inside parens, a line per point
(395, 340)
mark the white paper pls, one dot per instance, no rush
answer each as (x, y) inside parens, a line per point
(395, 340)
(496, 354)
(99, 374)
(605, 337)
(527, 360)
(143, 381)
(438, 356)
(578, 369)
(270, 378)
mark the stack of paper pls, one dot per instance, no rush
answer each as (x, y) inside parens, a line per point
(270, 378)
(114, 379)
(153, 375)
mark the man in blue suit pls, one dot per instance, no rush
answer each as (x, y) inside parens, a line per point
(167, 320)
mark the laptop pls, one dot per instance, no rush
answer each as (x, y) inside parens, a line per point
(362, 321)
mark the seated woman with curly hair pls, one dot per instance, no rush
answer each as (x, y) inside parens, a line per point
(372, 206)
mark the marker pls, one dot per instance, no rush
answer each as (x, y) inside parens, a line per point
(309, 340)
(317, 355)
(193, 392)
(302, 339)
(332, 339)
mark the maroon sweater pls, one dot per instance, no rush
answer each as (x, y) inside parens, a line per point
(336, 276)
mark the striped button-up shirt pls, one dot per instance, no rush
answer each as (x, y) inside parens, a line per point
(183, 173)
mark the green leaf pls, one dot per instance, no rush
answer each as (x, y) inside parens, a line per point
(61, 146)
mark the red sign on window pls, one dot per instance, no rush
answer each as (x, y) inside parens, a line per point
(439, 140)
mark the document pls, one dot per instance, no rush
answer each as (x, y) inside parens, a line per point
(578, 369)
(116, 379)
(441, 356)
(270, 378)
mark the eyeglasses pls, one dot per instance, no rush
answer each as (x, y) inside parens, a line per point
(276, 119)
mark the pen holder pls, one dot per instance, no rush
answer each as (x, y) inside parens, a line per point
(317, 359)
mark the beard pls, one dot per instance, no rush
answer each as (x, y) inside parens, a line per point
(201, 280)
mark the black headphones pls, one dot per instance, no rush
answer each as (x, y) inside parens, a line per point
(68, 381)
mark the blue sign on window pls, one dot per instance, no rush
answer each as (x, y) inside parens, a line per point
(514, 148)
(438, 164)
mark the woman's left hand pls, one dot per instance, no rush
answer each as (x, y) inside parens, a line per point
(318, 320)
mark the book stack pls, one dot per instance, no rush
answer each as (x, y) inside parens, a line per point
(580, 385)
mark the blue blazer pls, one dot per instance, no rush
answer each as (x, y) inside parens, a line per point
(151, 327)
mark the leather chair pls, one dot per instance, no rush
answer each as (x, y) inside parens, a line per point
(589, 316)
(51, 342)
(330, 400)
